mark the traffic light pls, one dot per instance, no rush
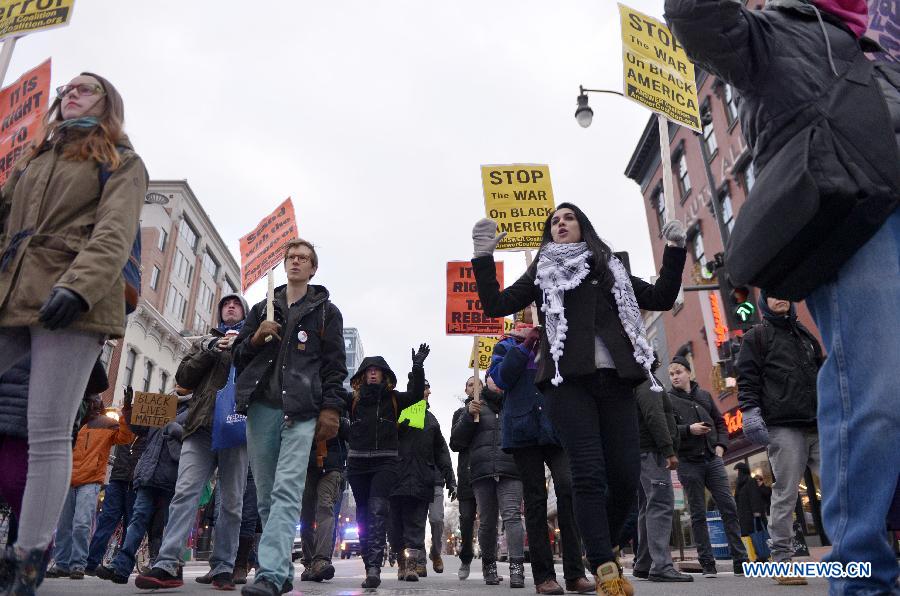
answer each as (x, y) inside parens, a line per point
(743, 308)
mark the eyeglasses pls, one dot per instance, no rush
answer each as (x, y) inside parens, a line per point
(301, 258)
(84, 90)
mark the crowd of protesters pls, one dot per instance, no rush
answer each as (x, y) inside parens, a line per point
(573, 389)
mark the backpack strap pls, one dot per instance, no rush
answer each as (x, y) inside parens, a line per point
(761, 339)
(104, 173)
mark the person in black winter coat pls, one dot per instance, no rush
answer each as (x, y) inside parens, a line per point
(496, 482)
(526, 433)
(594, 351)
(467, 505)
(423, 452)
(837, 167)
(778, 367)
(324, 481)
(704, 439)
(751, 504)
(154, 483)
(373, 456)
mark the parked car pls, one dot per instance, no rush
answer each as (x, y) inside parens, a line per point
(350, 543)
(296, 551)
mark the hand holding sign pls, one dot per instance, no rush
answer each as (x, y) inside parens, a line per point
(485, 238)
(265, 331)
(674, 233)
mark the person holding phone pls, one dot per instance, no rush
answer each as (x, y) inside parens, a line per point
(704, 439)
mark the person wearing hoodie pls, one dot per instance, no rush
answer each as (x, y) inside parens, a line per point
(496, 482)
(751, 504)
(704, 439)
(844, 155)
(290, 375)
(205, 370)
(154, 480)
(66, 238)
(423, 453)
(526, 433)
(777, 369)
(373, 457)
(89, 460)
(467, 505)
(659, 445)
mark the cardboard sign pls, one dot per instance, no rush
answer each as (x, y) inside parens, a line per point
(22, 107)
(415, 414)
(264, 247)
(153, 409)
(18, 17)
(519, 198)
(464, 314)
(658, 74)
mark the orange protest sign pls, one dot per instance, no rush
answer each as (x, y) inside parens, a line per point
(263, 248)
(22, 106)
(464, 314)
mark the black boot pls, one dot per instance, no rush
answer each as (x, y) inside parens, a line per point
(7, 568)
(29, 571)
(489, 571)
(373, 578)
(241, 559)
(517, 573)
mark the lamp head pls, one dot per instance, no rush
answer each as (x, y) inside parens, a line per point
(584, 114)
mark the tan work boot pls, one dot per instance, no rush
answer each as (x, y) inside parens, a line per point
(437, 563)
(610, 581)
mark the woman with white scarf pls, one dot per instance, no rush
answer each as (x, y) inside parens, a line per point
(594, 352)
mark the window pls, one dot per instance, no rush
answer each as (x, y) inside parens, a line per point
(210, 264)
(731, 110)
(176, 304)
(727, 208)
(201, 325)
(227, 287)
(163, 238)
(129, 366)
(163, 381)
(749, 178)
(709, 133)
(148, 374)
(206, 297)
(154, 278)
(698, 247)
(684, 180)
(188, 233)
(184, 270)
(105, 356)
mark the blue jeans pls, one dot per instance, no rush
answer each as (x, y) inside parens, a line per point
(117, 503)
(73, 534)
(145, 505)
(859, 407)
(197, 463)
(279, 455)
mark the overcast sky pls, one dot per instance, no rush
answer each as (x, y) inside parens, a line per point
(375, 117)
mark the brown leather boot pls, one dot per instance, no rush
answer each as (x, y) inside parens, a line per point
(551, 586)
(582, 585)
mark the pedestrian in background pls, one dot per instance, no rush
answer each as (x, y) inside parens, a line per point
(467, 504)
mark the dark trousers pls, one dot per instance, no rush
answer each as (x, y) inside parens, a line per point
(467, 510)
(148, 502)
(530, 461)
(118, 501)
(407, 530)
(371, 491)
(710, 474)
(596, 418)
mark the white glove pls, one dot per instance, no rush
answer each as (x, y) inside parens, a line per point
(485, 238)
(674, 232)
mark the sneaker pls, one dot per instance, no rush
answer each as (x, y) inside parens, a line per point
(205, 579)
(157, 579)
(609, 581)
(262, 587)
(709, 569)
(321, 570)
(463, 571)
(223, 581)
(109, 574)
(91, 571)
(76, 574)
(640, 573)
(670, 576)
(739, 568)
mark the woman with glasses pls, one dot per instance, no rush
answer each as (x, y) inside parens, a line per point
(69, 216)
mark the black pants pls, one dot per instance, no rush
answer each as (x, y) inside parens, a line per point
(596, 419)
(467, 510)
(530, 461)
(371, 491)
(408, 516)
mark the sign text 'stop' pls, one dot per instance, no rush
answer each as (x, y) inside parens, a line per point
(519, 198)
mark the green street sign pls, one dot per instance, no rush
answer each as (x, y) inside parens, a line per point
(744, 311)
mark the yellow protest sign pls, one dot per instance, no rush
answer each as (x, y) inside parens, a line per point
(153, 409)
(519, 198)
(485, 351)
(18, 17)
(415, 414)
(658, 74)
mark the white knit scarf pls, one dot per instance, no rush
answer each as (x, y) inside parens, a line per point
(563, 267)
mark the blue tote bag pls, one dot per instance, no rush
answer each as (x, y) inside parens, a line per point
(229, 428)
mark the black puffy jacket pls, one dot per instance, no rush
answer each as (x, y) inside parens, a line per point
(697, 406)
(778, 367)
(158, 464)
(374, 410)
(14, 400)
(463, 474)
(484, 441)
(423, 452)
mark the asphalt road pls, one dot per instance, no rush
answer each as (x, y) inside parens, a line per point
(350, 575)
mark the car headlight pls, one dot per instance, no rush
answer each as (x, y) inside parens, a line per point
(343, 545)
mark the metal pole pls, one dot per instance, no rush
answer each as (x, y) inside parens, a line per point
(6, 56)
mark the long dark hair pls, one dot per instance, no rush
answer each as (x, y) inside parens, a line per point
(589, 235)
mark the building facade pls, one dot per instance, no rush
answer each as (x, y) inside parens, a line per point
(186, 268)
(355, 353)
